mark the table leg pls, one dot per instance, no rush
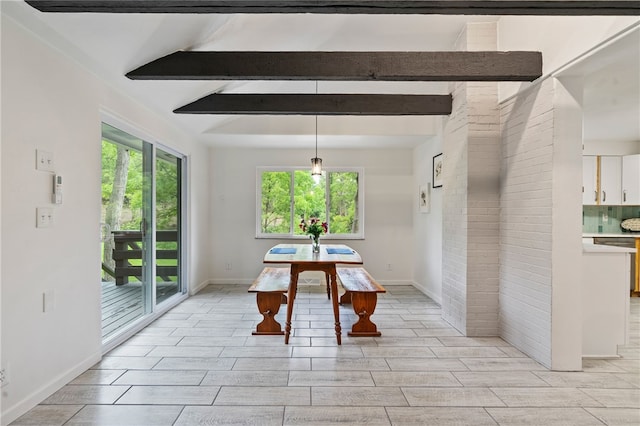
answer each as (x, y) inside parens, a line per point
(336, 307)
(293, 288)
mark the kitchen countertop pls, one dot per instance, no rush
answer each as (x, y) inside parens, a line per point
(589, 247)
(625, 235)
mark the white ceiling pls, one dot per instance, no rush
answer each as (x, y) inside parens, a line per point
(113, 44)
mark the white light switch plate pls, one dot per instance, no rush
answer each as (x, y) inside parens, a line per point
(44, 161)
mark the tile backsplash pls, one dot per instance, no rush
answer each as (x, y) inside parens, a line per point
(606, 219)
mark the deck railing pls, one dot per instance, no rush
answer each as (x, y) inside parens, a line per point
(128, 246)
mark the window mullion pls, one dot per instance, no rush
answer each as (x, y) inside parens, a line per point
(327, 200)
(292, 202)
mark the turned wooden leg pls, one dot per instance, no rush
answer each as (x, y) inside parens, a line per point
(336, 308)
(293, 287)
(268, 306)
(364, 304)
(328, 280)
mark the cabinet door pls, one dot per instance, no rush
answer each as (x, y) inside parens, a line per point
(631, 179)
(610, 180)
(589, 190)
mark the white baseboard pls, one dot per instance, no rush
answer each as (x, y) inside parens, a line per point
(436, 298)
(239, 281)
(199, 287)
(389, 283)
(26, 404)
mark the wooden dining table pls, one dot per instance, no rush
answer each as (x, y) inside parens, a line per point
(302, 258)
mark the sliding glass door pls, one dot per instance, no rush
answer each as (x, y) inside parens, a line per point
(168, 217)
(141, 229)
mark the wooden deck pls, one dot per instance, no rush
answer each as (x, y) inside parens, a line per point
(124, 303)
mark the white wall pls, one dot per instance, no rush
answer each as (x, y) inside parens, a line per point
(50, 103)
(526, 222)
(561, 39)
(566, 314)
(540, 224)
(540, 206)
(389, 210)
(427, 227)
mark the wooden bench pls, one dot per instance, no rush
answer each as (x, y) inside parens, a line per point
(270, 288)
(361, 290)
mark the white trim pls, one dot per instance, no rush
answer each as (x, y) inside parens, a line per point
(238, 281)
(436, 298)
(40, 394)
(200, 287)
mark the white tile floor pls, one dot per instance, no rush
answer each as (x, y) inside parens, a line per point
(200, 365)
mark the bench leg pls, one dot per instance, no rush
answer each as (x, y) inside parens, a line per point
(268, 306)
(364, 304)
(345, 298)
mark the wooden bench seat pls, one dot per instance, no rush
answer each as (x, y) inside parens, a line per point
(270, 288)
(361, 290)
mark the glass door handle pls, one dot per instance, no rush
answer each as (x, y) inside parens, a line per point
(143, 227)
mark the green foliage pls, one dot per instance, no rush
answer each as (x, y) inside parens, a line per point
(276, 202)
(109, 152)
(167, 181)
(310, 200)
(343, 190)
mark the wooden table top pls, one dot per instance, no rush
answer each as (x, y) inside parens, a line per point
(304, 254)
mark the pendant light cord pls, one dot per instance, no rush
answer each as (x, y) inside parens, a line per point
(316, 123)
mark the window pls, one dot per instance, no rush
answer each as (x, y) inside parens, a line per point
(285, 196)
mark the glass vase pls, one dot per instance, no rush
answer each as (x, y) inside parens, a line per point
(315, 244)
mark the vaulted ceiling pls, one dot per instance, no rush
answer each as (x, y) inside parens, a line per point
(114, 44)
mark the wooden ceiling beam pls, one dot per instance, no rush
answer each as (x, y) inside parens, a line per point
(344, 66)
(425, 7)
(320, 104)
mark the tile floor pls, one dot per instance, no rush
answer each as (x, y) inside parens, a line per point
(200, 365)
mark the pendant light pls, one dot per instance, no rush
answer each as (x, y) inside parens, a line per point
(316, 163)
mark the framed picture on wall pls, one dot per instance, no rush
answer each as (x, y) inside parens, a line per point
(437, 171)
(423, 198)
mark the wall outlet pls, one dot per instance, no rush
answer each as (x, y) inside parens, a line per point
(44, 161)
(44, 217)
(389, 268)
(228, 266)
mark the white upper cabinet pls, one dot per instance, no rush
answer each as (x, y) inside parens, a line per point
(610, 180)
(589, 180)
(631, 179)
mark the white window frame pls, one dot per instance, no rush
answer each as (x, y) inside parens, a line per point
(260, 170)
